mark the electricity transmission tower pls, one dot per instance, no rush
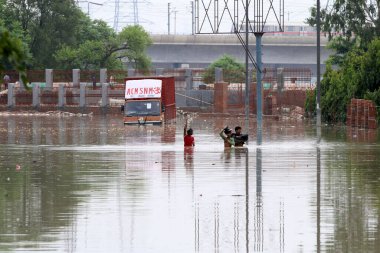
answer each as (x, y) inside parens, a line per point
(131, 17)
(116, 17)
(249, 16)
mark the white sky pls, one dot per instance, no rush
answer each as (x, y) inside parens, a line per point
(153, 14)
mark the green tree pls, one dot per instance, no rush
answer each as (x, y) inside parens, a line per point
(357, 77)
(12, 54)
(104, 48)
(48, 23)
(349, 24)
(233, 71)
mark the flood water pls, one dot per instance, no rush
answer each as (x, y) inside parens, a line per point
(91, 184)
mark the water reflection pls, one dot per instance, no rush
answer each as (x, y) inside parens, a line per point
(94, 185)
(318, 199)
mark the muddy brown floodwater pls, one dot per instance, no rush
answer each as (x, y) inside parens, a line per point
(91, 184)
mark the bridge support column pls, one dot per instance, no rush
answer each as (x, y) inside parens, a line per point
(189, 79)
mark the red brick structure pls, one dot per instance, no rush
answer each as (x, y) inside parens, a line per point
(362, 114)
(221, 97)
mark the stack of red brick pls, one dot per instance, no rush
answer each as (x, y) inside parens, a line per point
(361, 113)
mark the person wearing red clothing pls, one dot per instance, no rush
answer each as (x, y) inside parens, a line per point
(188, 136)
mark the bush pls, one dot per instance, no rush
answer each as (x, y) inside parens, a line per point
(233, 71)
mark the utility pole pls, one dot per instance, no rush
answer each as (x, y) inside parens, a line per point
(319, 123)
(168, 18)
(175, 21)
(246, 65)
(135, 12)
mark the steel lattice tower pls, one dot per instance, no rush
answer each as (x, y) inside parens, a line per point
(116, 18)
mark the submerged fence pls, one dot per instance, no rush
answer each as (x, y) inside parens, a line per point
(105, 88)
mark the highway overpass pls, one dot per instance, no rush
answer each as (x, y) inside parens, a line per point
(198, 51)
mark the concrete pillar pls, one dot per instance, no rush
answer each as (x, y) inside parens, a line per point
(218, 75)
(49, 78)
(221, 97)
(280, 86)
(76, 77)
(189, 79)
(280, 79)
(11, 95)
(105, 101)
(159, 71)
(21, 82)
(36, 96)
(131, 72)
(103, 75)
(82, 95)
(61, 96)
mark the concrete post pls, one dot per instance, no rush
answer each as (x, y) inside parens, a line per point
(103, 75)
(218, 75)
(61, 96)
(131, 72)
(11, 95)
(189, 79)
(49, 78)
(280, 79)
(82, 95)
(21, 82)
(36, 96)
(105, 101)
(159, 71)
(76, 77)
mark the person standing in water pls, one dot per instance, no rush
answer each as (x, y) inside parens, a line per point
(188, 137)
(226, 135)
(239, 138)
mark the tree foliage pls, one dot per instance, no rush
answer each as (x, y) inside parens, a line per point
(12, 53)
(57, 34)
(233, 71)
(357, 77)
(349, 24)
(130, 45)
(353, 28)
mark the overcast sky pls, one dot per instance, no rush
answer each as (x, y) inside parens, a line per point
(153, 14)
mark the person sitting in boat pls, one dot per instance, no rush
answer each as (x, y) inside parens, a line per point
(240, 139)
(226, 134)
